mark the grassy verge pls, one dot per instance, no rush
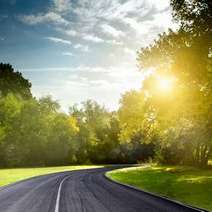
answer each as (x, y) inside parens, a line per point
(185, 184)
(8, 176)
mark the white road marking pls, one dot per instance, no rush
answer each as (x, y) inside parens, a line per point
(57, 205)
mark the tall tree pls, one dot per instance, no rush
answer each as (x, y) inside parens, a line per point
(13, 82)
(186, 56)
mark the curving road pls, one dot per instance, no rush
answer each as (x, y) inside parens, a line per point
(79, 191)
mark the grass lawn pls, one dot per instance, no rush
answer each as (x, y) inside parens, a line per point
(185, 184)
(8, 176)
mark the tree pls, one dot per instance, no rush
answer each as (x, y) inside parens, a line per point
(186, 56)
(13, 82)
(35, 133)
(10, 107)
(60, 148)
(97, 140)
(138, 126)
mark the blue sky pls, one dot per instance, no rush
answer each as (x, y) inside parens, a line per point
(80, 49)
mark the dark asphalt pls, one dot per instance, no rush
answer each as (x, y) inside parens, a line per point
(79, 191)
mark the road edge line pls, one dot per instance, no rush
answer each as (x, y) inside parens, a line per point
(57, 204)
(155, 195)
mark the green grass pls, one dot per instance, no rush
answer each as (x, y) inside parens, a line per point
(8, 176)
(189, 185)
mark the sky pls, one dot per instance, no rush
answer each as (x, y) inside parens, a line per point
(76, 50)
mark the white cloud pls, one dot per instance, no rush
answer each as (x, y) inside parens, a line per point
(108, 10)
(87, 82)
(120, 26)
(71, 32)
(92, 38)
(159, 4)
(114, 42)
(83, 48)
(78, 46)
(139, 28)
(54, 15)
(62, 5)
(67, 54)
(95, 20)
(59, 40)
(130, 52)
(112, 55)
(50, 17)
(163, 19)
(111, 31)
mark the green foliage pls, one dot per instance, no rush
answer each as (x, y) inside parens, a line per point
(97, 139)
(13, 82)
(183, 116)
(137, 127)
(169, 119)
(35, 133)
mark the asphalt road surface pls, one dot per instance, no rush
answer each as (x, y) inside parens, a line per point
(79, 191)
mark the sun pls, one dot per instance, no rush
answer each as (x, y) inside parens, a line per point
(165, 84)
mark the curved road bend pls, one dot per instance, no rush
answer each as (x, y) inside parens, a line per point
(79, 191)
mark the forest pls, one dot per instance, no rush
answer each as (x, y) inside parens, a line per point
(169, 120)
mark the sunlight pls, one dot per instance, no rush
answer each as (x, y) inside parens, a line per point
(165, 84)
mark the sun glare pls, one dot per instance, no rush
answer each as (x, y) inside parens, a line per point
(165, 84)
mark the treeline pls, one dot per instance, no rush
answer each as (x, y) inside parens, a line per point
(168, 120)
(34, 132)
